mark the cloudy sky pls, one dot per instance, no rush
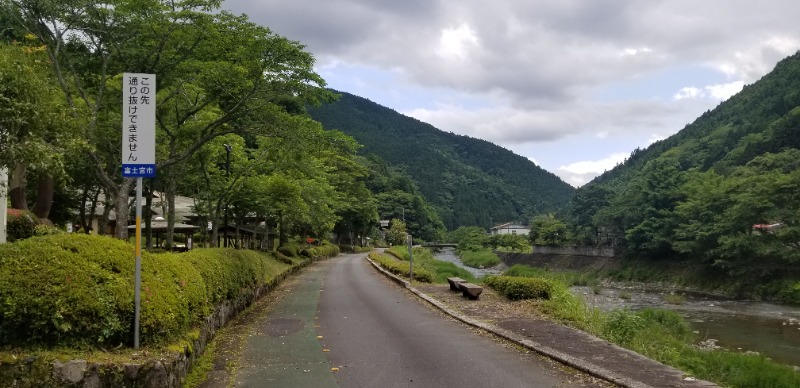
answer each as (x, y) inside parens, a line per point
(575, 86)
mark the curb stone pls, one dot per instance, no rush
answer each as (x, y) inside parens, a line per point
(574, 362)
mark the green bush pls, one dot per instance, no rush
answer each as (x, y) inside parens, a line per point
(77, 290)
(446, 269)
(401, 268)
(353, 248)
(20, 224)
(622, 325)
(288, 250)
(423, 258)
(327, 250)
(46, 230)
(522, 270)
(517, 288)
(479, 259)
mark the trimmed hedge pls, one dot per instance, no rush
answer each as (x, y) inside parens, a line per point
(353, 248)
(517, 288)
(401, 268)
(20, 224)
(77, 290)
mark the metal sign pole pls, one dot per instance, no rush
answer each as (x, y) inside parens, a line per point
(138, 273)
(3, 206)
(410, 259)
(138, 160)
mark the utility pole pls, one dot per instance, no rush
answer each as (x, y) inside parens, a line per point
(227, 176)
(410, 258)
(3, 206)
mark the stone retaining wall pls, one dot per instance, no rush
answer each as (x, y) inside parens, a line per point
(166, 371)
(575, 251)
(560, 261)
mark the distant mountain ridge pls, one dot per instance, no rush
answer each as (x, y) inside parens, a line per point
(469, 181)
(761, 118)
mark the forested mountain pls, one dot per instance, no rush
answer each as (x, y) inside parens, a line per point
(469, 181)
(724, 191)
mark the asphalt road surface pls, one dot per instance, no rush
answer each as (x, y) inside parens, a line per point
(378, 335)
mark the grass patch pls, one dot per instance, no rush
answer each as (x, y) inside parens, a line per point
(518, 288)
(401, 267)
(666, 337)
(203, 365)
(441, 270)
(674, 299)
(570, 278)
(479, 259)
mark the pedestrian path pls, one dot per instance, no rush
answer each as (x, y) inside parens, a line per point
(281, 348)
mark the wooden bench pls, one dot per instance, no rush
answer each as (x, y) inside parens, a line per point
(470, 290)
(454, 282)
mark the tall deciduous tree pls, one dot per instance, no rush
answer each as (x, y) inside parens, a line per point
(233, 74)
(35, 131)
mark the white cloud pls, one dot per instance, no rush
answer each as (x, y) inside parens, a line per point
(457, 42)
(720, 92)
(724, 91)
(530, 73)
(579, 173)
(687, 92)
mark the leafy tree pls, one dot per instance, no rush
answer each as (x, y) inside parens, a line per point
(514, 242)
(658, 193)
(397, 232)
(548, 230)
(35, 133)
(234, 76)
(469, 238)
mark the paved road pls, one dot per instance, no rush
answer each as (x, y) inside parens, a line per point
(379, 336)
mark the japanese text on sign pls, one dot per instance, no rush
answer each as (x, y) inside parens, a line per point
(138, 125)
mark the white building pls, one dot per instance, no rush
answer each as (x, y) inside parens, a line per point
(510, 228)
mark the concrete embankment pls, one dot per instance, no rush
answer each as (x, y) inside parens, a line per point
(559, 261)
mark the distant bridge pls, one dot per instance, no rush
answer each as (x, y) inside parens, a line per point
(439, 245)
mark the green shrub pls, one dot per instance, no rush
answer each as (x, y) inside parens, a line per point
(674, 299)
(517, 288)
(354, 248)
(46, 230)
(288, 250)
(622, 325)
(77, 290)
(401, 268)
(283, 258)
(328, 250)
(446, 269)
(521, 270)
(20, 224)
(479, 259)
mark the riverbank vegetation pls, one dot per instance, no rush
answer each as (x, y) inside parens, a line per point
(719, 195)
(661, 335)
(423, 258)
(483, 258)
(476, 248)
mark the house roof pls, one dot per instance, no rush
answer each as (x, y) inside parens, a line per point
(509, 225)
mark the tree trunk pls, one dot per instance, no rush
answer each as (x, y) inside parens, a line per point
(215, 225)
(122, 208)
(282, 239)
(44, 197)
(17, 186)
(171, 189)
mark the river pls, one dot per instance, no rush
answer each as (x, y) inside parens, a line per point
(770, 329)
